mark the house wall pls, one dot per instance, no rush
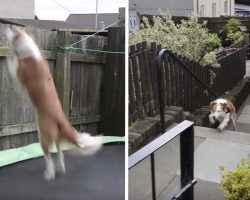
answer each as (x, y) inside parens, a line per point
(22, 9)
(213, 8)
(170, 6)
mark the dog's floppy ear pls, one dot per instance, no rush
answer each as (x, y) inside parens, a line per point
(225, 107)
(212, 104)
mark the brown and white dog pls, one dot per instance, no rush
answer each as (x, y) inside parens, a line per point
(28, 67)
(222, 110)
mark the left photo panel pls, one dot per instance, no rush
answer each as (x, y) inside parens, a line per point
(62, 99)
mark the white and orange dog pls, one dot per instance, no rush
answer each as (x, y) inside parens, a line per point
(222, 110)
(28, 67)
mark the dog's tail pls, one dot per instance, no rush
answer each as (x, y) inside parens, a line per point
(86, 143)
(89, 144)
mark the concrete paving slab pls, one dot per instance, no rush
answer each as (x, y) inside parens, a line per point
(212, 154)
(226, 135)
(246, 109)
(167, 162)
(243, 127)
(244, 118)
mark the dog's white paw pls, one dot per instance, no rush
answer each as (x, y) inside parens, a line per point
(49, 175)
(220, 128)
(60, 167)
(212, 121)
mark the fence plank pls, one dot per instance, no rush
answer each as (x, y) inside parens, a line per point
(133, 111)
(144, 91)
(63, 72)
(135, 70)
(148, 78)
(153, 72)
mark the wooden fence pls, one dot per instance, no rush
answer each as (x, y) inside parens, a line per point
(78, 77)
(181, 88)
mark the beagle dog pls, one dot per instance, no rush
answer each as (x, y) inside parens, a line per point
(222, 110)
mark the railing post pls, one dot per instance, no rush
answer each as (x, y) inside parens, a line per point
(187, 161)
(152, 160)
(161, 89)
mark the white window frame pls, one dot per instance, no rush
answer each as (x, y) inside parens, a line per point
(213, 9)
(226, 7)
(202, 10)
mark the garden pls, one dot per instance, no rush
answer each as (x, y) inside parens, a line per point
(207, 55)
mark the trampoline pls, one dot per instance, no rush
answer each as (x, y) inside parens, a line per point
(95, 177)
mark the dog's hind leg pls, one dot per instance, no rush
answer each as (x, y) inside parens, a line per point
(60, 158)
(49, 172)
(233, 118)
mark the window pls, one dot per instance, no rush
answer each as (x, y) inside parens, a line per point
(202, 11)
(133, 19)
(226, 7)
(214, 10)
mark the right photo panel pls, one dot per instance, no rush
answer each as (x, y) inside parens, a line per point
(189, 100)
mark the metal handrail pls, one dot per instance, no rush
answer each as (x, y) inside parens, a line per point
(161, 90)
(186, 131)
(153, 146)
(166, 51)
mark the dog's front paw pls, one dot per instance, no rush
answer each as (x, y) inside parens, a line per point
(49, 175)
(211, 119)
(220, 128)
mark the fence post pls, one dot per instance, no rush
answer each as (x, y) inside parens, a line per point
(62, 77)
(121, 17)
(113, 88)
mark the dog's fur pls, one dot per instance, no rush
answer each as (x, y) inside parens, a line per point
(28, 67)
(222, 110)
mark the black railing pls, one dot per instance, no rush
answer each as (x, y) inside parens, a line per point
(161, 82)
(186, 132)
(181, 77)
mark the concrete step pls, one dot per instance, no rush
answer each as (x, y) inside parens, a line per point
(212, 150)
(144, 131)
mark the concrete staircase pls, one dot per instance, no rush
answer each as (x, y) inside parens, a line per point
(212, 150)
(145, 130)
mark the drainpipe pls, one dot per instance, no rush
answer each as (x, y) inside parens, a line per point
(230, 7)
(197, 7)
(96, 14)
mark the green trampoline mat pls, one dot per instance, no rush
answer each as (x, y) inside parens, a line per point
(34, 150)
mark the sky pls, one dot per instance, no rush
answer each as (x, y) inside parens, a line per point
(60, 9)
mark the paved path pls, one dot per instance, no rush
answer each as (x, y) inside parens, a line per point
(243, 114)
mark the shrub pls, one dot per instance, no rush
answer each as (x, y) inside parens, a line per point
(236, 184)
(231, 33)
(189, 38)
